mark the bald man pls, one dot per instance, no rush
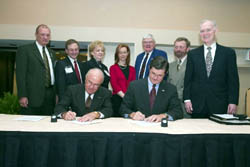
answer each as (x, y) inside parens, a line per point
(89, 101)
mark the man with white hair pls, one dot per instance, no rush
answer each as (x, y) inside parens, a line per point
(90, 101)
(211, 84)
(143, 59)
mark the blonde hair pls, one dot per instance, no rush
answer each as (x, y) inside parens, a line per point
(93, 45)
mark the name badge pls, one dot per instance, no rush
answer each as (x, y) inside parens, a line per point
(68, 70)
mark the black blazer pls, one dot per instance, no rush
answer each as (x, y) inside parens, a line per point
(137, 98)
(92, 63)
(220, 88)
(30, 73)
(63, 78)
(74, 97)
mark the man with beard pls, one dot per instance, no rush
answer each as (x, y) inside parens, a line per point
(177, 68)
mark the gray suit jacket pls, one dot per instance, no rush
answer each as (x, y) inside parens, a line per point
(30, 73)
(137, 98)
(74, 97)
(176, 77)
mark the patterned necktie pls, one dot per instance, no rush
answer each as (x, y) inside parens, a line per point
(209, 61)
(152, 96)
(143, 66)
(179, 65)
(47, 69)
(88, 102)
(77, 72)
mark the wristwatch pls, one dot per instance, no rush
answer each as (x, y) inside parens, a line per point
(97, 114)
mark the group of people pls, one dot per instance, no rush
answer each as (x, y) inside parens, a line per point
(200, 82)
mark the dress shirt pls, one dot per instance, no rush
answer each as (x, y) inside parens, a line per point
(213, 49)
(182, 59)
(92, 97)
(150, 86)
(73, 64)
(40, 48)
(149, 55)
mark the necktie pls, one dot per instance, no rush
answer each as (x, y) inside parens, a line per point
(88, 102)
(152, 96)
(143, 66)
(209, 61)
(77, 72)
(47, 69)
(179, 65)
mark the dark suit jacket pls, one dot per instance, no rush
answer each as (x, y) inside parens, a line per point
(30, 74)
(93, 64)
(137, 98)
(118, 80)
(222, 86)
(63, 79)
(74, 97)
(140, 57)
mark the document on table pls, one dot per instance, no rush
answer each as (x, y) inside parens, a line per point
(30, 118)
(225, 116)
(144, 123)
(87, 123)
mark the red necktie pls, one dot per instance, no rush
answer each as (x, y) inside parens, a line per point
(152, 96)
(77, 72)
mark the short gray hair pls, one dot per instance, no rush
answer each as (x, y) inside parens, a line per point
(150, 36)
(211, 21)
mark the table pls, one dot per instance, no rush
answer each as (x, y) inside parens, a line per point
(117, 142)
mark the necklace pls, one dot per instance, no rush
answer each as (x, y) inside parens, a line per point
(122, 67)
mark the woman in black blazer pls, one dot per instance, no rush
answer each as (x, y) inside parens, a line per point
(97, 52)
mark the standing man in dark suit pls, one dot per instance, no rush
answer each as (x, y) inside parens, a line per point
(143, 60)
(90, 101)
(211, 84)
(69, 70)
(35, 75)
(152, 98)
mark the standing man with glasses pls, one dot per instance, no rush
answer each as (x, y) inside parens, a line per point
(211, 84)
(89, 101)
(69, 71)
(143, 60)
(35, 75)
(177, 68)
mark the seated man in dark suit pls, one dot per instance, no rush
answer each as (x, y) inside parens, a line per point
(91, 101)
(152, 98)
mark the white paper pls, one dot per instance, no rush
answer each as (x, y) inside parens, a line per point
(30, 118)
(144, 123)
(86, 123)
(226, 116)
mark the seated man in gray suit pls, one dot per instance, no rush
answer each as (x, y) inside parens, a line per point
(90, 101)
(152, 99)
(177, 69)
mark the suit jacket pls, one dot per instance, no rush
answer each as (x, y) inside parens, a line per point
(137, 98)
(64, 79)
(176, 77)
(220, 88)
(30, 71)
(118, 80)
(74, 97)
(92, 63)
(140, 57)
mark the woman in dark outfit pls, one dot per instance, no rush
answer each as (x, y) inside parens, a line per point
(97, 52)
